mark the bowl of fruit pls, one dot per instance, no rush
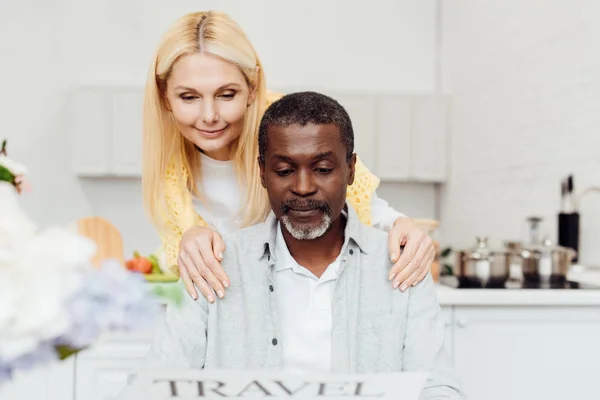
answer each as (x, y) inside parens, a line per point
(150, 267)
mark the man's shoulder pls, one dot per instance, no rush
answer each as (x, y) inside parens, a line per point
(375, 239)
(242, 241)
(250, 233)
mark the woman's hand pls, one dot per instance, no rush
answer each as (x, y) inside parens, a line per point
(200, 255)
(411, 264)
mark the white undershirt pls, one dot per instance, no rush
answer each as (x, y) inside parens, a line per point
(304, 307)
(222, 196)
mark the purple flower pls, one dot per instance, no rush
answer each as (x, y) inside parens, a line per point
(43, 354)
(110, 299)
(107, 299)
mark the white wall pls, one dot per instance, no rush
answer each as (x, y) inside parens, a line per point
(525, 81)
(49, 47)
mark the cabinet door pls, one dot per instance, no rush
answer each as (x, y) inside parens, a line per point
(127, 133)
(102, 369)
(53, 382)
(361, 109)
(429, 139)
(99, 379)
(393, 138)
(90, 132)
(528, 352)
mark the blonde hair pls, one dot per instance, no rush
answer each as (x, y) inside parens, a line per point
(217, 34)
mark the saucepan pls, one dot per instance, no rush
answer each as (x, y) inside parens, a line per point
(482, 266)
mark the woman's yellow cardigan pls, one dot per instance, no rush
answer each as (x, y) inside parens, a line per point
(180, 214)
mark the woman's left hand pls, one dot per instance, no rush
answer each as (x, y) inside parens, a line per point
(411, 264)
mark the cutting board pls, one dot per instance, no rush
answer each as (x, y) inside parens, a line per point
(106, 236)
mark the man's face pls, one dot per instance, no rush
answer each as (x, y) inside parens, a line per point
(306, 175)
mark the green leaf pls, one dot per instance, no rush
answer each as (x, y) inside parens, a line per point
(155, 265)
(446, 252)
(65, 352)
(447, 270)
(6, 175)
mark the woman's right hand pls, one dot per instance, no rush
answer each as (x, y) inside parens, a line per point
(200, 255)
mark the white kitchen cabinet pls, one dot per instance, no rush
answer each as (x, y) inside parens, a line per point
(528, 352)
(429, 138)
(103, 379)
(90, 140)
(102, 370)
(361, 110)
(127, 133)
(53, 382)
(399, 137)
(393, 138)
(106, 132)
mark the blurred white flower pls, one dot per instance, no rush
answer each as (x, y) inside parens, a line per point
(15, 225)
(53, 301)
(37, 278)
(14, 167)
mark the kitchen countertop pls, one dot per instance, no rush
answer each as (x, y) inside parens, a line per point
(449, 296)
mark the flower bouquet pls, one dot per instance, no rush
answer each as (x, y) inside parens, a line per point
(53, 301)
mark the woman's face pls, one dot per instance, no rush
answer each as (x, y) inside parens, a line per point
(208, 97)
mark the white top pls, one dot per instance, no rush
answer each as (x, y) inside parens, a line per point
(222, 195)
(304, 303)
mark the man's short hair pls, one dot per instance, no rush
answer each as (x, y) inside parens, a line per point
(303, 108)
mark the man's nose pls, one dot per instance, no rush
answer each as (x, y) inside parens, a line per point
(304, 184)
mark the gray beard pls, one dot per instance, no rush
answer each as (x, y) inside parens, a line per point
(307, 233)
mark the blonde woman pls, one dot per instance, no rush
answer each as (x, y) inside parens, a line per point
(203, 102)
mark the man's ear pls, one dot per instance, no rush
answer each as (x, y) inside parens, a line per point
(261, 165)
(351, 168)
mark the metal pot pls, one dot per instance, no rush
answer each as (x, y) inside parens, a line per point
(482, 267)
(546, 263)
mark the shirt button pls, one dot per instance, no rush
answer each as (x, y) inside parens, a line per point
(351, 252)
(271, 288)
(274, 341)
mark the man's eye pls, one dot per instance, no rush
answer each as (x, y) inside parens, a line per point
(323, 170)
(284, 172)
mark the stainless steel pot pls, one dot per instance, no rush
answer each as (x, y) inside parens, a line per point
(482, 266)
(546, 263)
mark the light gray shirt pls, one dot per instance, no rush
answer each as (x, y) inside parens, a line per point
(374, 327)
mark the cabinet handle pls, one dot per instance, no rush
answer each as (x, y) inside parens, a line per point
(461, 323)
